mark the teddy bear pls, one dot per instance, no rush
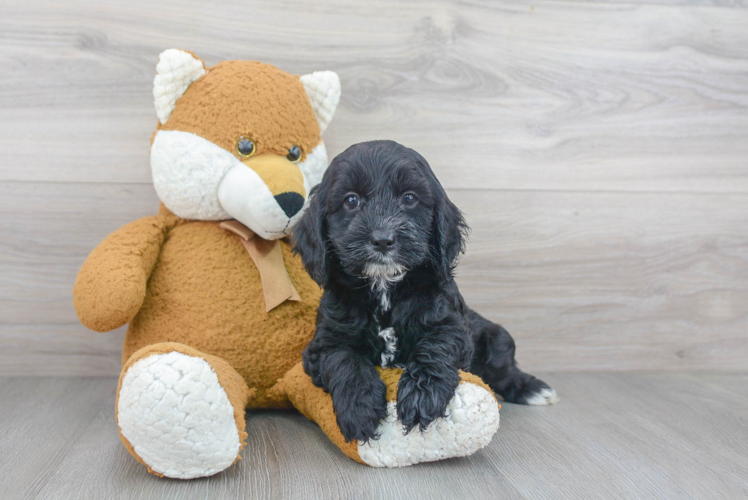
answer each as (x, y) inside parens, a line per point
(219, 308)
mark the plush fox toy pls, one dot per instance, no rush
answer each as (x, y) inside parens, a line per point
(219, 309)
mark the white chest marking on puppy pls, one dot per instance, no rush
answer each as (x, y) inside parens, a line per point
(381, 277)
(384, 300)
(390, 346)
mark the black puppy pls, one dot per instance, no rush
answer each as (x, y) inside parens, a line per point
(381, 237)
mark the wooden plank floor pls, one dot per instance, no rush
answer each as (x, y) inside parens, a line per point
(613, 435)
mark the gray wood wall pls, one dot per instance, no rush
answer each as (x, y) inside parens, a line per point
(599, 149)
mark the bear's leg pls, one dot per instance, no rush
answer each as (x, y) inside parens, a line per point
(181, 412)
(471, 421)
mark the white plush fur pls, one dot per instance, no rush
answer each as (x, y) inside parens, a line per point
(313, 168)
(323, 89)
(472, 420)
(199, 180)
(187, 170)
(247, 198)
(177, 417)
(175, 71)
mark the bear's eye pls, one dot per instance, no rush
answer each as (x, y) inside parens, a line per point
(294, 153)
(245, 147)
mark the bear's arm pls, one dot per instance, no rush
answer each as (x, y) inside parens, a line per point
(110, 286)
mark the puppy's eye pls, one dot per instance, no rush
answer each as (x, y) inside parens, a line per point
(409, 199)
(351, 201)
(294, 154)
(245, 147)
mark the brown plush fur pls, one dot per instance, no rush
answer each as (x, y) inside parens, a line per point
(110, 286)
(190, 286)
(316, 405)
(249, 99)
(204, 291)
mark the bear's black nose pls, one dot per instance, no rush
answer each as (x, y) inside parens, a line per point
(382, 240)
(291, 203)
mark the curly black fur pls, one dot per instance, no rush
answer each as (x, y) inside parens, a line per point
(387, 263)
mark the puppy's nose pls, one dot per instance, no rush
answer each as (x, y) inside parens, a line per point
(291, 203)
(382, 240)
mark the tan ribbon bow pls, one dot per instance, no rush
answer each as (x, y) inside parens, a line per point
(268, 257)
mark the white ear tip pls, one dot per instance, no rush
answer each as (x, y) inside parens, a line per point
(175, 71)
(323, 89)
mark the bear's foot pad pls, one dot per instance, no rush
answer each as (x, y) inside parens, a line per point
(472, 420)
(177, 416)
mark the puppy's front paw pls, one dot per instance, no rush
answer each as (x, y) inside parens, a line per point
(421, 399)
(359, 411)
(311, 361)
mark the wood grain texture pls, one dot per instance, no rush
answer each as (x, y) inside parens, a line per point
(592, 281)
(598, 148)
(511, 95)
(583, 280)
(739, 4)
(622, 435)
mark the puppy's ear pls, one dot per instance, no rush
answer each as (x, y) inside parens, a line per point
(309, 235)
(448, 233)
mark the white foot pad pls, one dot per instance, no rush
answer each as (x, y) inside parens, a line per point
(177, 416)
(471, 421)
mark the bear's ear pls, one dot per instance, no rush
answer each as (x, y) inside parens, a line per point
(323, 89)
(175, 71)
